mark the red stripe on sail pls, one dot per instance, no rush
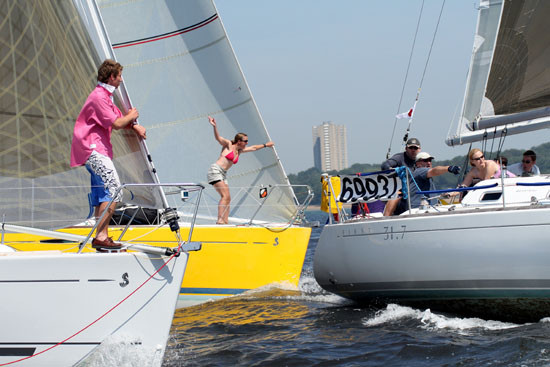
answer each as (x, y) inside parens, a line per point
(167, 36)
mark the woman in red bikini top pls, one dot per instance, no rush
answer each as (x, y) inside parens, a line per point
(231, 150)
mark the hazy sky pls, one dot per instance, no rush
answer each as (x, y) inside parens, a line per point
(309, 61)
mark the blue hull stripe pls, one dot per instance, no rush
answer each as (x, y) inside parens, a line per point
(212, 290)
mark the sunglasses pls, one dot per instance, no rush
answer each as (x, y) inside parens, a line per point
(526, 162)
(478, 158)
(413, 148)
(244, 141)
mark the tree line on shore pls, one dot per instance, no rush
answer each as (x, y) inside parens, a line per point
(312, 176)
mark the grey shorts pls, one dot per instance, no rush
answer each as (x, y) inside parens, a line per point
(216, 174)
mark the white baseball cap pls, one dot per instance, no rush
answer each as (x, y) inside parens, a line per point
(423, 155)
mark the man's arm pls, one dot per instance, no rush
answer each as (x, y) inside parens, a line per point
(392, 162)
(439, 170)
(122, 122)
(140, 130)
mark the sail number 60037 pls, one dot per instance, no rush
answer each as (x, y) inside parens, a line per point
(391, 234)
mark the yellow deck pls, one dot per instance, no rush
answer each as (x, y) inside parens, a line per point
(233, 259)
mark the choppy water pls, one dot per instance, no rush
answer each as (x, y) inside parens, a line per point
(281, 326)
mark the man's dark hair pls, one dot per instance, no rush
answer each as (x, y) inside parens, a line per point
(108, 68)
(503, 159)
(531, 154)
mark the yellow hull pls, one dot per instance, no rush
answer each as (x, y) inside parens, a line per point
(232, 259)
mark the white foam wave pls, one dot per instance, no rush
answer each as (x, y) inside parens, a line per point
(309, 285)
(312, 291)
(433, 321)
(307, 290)
(123, 351)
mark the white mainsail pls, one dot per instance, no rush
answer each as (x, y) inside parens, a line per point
(48, 68)
(180, 67)
(508, 89)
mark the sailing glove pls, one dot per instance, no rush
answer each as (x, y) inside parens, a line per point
(454, 169)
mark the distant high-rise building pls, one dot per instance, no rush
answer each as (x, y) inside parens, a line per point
(330, 150)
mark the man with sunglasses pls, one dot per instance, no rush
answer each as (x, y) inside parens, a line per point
(406, 158)
(422, 176)
(527, 166)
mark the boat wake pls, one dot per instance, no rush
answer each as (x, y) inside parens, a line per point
(308, 290)
(433, 321)
(122, 351)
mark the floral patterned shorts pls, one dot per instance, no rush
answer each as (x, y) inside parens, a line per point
(104, 173)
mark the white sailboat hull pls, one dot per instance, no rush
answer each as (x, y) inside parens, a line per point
(477, 258)
(47, 298)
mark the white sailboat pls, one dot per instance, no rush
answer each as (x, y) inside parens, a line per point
(58, 307)
(486, 256)
(180, 68)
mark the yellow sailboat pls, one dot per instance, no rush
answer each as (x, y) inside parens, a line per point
(179, 67)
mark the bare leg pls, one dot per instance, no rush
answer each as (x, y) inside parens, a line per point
(102, 231)
(391, 205)
(223, 206)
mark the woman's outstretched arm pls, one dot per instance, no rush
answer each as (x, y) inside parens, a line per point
(223, 141)
(252, 148)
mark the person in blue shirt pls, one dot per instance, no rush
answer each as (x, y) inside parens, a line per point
(422, 175)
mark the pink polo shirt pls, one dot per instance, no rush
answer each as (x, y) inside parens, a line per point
(92, 130)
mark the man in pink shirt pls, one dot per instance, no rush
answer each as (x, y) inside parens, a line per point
(92, 147)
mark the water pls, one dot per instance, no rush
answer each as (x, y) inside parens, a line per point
(281, 326)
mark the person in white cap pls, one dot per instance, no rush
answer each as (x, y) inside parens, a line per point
(422, 175)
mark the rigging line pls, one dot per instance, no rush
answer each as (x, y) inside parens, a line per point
(464, 166)
(406, 77)
(493, 143)
(484, 142)
(432, 45)
(424, 73)
(502, 139)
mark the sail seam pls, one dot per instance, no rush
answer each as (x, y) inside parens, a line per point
(177, 122)
(162, 36)
(254, 170)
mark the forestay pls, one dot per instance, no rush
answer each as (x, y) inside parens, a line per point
(508, 89)
(48, 68)
(179, 67)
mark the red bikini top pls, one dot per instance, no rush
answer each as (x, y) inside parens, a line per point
(232, 157)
